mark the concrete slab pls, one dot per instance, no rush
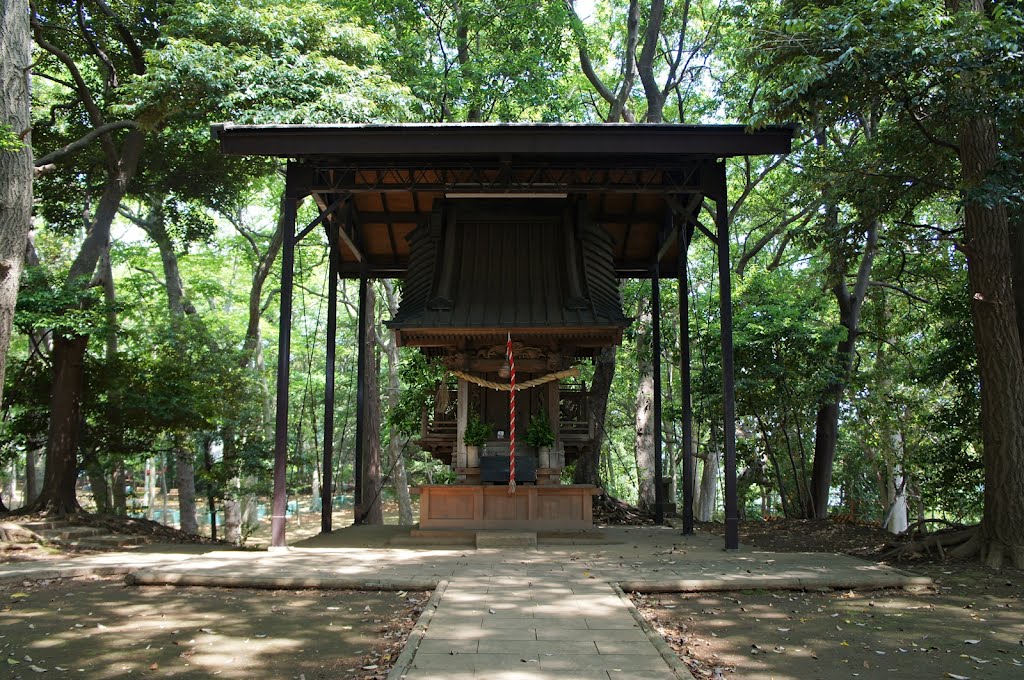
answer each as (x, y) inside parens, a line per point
(506, 540)
(537, 611)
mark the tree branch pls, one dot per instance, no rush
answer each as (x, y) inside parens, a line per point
(83, 141)
(138, 57)
(585, 63)
(84, 94)
(94, 46)
(899, 289)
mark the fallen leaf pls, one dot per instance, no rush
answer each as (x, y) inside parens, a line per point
(971, 642)
(37, 669)
(957, 677)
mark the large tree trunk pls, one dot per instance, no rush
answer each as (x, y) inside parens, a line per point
(65, 417)
(370, 509)
(184, 463)
(16, 170)
(1000, 360)
(69, 351)
(644, 441)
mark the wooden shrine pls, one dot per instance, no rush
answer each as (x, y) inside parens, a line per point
(537, 270)
(508, 229)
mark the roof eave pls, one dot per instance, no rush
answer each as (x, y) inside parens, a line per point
(540, 141)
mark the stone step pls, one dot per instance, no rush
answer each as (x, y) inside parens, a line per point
(44, 525)
(506, 539)
(107, 541)
(444, 533)
(457, 540)
(70, 534)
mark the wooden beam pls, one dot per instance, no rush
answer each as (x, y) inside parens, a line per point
(356, 253)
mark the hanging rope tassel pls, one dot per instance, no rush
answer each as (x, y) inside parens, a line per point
(511, 419)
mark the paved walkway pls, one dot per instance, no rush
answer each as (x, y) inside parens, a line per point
(551, 611)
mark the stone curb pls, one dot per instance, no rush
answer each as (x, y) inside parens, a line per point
(416, 635)
(65, 572)
(874, 582)
(158, 578)
(679, 669)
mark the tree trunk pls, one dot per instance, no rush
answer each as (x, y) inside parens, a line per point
(398, 475)
(1000, 360)
(58, 494)
(1016, 228)
(16, 171)
(119, 482)
(644, 441)
(33, 479)
(12, 480)
(707, 499)
(98, 483)
(69, 351)
(826, 433)
(185, 465)
(252, 356)
(370, 509)
(588, 465)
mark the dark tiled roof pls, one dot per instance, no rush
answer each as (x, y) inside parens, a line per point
(510, 271)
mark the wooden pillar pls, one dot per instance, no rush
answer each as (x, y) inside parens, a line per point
(461, 419)
(555, 419)
(732, 528)
(659, 486)
(685, 378)
(279, 501)
(326, 491)
(357, 500)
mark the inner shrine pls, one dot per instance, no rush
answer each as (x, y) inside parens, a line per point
(510, 240)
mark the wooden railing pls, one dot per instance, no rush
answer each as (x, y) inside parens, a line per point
(575, 420)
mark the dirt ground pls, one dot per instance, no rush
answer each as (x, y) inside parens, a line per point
(101, 628)
(972, 626)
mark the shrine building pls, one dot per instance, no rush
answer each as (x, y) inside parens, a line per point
(510, 240)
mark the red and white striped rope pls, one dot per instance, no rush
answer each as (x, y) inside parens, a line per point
(511, 420)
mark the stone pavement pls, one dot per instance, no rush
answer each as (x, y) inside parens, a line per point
(555, 610)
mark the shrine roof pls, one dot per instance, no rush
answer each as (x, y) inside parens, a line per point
(381, 182)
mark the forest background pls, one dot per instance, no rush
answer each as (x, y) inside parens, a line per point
(878, 271)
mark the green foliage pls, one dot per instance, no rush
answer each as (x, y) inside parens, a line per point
(43, 303)
(479, 60)
(268, 62)
(421, 377)
(538, 432)
(477, 432)
(10, 142)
